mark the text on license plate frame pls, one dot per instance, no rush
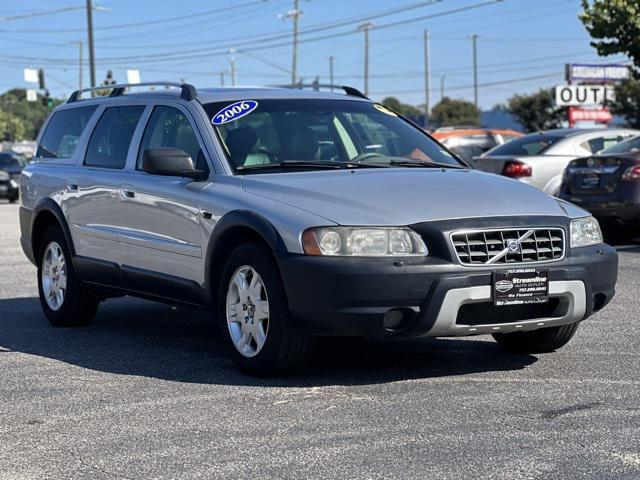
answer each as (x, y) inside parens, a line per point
(520, 286)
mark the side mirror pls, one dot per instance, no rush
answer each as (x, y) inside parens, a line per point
(171, 162)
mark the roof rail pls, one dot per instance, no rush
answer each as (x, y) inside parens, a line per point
(354, 92)
(188, 91)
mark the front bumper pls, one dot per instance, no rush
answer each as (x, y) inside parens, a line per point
(9, 189)
(350, 296)
(621, 207)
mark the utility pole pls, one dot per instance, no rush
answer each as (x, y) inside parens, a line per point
(474, 39)
(365, 27)
(92, 60)
(294, 15)
(427, 79)
(232, 61)
(442, 79)
(331, 72)
(222, 78)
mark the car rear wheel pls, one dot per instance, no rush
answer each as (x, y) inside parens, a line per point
(537, 341)
(65, 300)
(254, 318)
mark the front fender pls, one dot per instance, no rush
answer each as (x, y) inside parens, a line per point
(243, 222)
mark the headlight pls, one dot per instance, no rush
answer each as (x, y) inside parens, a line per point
(13, 183)
(363, 242)
(4, 176)
(584, 232)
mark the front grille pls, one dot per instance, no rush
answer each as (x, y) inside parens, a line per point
(480, 247)
(486, 313)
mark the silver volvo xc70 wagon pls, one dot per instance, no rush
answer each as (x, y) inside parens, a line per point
(292, 214)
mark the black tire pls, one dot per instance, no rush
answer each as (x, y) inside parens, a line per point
(286, 348)
(14, 199)
(544, 340)
(80, 302)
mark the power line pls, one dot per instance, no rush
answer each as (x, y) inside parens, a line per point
(487, 84)
(137, 24)
(209, 52)
(41, 13)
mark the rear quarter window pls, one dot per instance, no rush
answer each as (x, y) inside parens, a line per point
(63, 132)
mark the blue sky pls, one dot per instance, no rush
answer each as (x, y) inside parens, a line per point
(522, 45)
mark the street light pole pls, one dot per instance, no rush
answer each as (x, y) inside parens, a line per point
(474, 39)
(92, 61)
(232, 61)
(331, 72)
(427, 79)
(442, 79)
(222, 78)
(365, 28)
(80, 67)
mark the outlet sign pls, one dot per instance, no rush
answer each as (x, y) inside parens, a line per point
(584, 95)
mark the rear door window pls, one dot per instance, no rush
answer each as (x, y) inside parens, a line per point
(111, 138)
(63, 132)
(596, 145)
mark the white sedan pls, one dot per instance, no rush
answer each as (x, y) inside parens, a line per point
(540, 159)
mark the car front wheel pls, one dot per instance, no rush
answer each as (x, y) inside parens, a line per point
(537, 341)
(255, 323)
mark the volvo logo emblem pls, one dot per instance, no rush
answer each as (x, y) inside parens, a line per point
(513, 245)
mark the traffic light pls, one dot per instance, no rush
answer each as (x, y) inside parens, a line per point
(109, 80)
(47, 101)
(41, 83)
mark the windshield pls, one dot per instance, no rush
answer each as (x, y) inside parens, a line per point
(534, 144)
(320, 133)
(8, 160)
(628, 146)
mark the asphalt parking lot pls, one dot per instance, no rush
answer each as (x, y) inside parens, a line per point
(147, 392)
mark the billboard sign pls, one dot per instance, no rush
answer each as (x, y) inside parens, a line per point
(612, 72)
(599, 115)
(583, 95)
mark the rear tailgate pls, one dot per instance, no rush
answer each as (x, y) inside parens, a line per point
(597, 175)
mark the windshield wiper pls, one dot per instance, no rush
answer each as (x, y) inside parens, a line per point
(301, 164)
(405, 162)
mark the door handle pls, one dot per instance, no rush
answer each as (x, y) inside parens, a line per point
(126, 193)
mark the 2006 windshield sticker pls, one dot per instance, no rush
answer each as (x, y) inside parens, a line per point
(233, 112)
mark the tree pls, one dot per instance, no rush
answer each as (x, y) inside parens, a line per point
(627, 102)
(12, 128)
(615, 26)
(449, 112)
(32, 114)
(402, 108)
(536, 111)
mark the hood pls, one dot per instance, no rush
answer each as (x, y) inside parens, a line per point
(402, 196)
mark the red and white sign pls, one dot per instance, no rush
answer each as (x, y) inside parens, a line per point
(600, 115)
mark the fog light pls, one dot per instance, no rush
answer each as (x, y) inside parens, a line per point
(393, 319)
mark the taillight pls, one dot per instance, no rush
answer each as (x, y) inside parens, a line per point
(632, 174)
(516, 169)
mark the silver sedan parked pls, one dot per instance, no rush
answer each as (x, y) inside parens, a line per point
(539, 159)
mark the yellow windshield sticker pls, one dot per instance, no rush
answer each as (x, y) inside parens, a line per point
(383, 109)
